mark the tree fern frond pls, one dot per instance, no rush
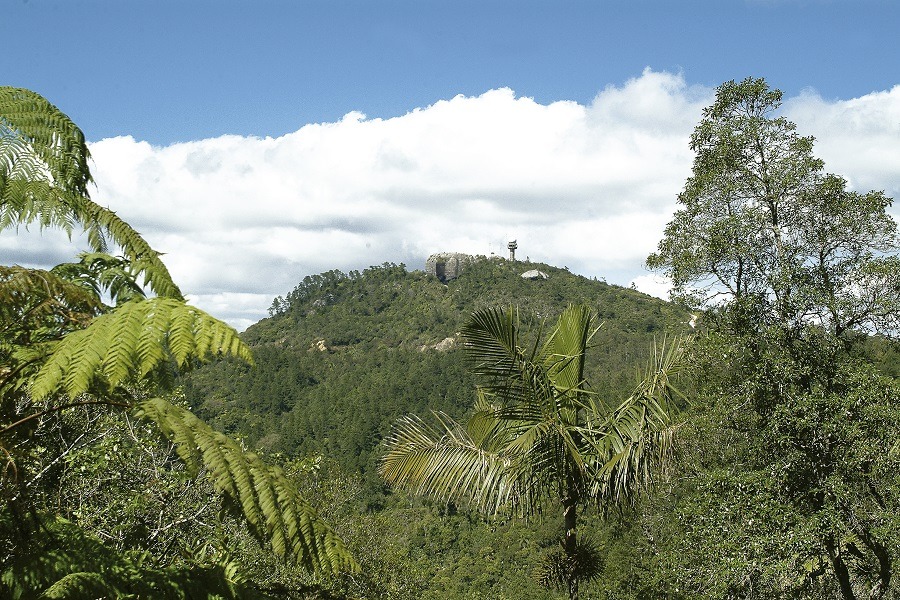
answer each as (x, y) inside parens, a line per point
(266, 499)
(100, 272)
(39, 305)
(134, 339)
(44, 178)
(144, 259)
(27, 201)
(78, 586)
(50, 135)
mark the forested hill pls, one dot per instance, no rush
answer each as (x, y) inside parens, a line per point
(344, 355)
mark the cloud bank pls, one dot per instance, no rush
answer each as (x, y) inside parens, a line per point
(242, 220)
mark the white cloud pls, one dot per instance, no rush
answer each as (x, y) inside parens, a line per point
(653, 284)
(858, 139)
(242, 220)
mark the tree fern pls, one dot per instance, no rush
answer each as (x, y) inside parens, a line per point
(44, 178)
(133, 340)
(101, 273)
(37, 139)
(58, 339)
(33, 300)
(262, 494)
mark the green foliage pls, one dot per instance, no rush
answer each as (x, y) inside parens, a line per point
(268, 501)
(44, 177)
(762, 225)
(40, 143)
(36, 308)
(793, 481)
(139, 337)
(325, 375)
(346, 356)
(102, 273)
(770, 495)
(538, 433)
(59, 560)
(62, 348)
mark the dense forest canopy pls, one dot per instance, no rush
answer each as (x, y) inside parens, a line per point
(327, 361)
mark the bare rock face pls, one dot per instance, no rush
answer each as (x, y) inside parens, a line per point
(448, 265)
(534, 274)
(443, 345)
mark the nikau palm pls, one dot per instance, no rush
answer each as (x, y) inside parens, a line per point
(538, 434)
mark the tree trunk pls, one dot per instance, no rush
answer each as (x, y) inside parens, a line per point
(840, 570)
(570, 545)
(884, 563)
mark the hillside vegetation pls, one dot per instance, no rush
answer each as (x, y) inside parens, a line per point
(344, 355)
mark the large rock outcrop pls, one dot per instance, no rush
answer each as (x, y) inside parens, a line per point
(448, 265)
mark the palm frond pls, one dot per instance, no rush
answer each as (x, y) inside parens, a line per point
(262, 494)
(507, 371)
(564, 352)
(133, 340)
(538, 432)
(458, 463)
(630, 443)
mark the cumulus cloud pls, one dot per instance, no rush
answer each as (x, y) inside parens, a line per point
(590, 187)
(858, 139)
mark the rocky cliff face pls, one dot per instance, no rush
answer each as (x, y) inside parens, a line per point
(448, 265)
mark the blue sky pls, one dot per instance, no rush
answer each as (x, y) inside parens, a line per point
(166, 71)
(255, 143)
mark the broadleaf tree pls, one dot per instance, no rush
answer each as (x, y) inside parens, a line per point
(793, 273)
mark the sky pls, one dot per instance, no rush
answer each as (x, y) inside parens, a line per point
(255, 143)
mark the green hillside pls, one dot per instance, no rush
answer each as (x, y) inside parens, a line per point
(344, 355)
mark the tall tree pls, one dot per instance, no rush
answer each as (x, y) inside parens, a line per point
(794, 272)
(62, 347)
(539, 435)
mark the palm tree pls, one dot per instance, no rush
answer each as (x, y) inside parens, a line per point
(62, 347)
(538, 434)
